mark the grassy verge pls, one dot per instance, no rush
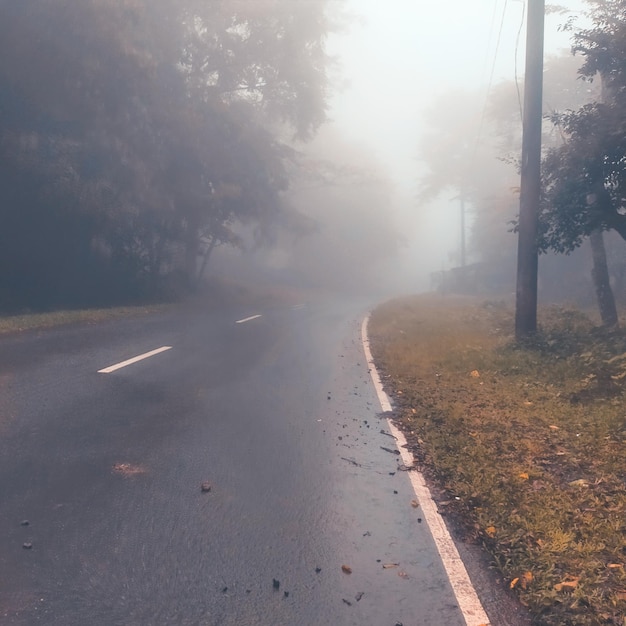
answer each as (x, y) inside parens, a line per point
(31, 321)
(526, 443)
(214, 295)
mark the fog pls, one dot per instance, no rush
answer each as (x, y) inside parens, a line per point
(152, 150)
(398, 58)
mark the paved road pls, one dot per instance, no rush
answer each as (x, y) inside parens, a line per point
(277, 413)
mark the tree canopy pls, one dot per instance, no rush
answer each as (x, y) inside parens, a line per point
(585, 176)
(135, 134)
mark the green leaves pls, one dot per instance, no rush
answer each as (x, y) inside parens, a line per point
(135, 116)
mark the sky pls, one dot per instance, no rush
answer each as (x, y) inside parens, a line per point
(400, 54)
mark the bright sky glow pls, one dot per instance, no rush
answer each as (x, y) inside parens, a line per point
(404, 53)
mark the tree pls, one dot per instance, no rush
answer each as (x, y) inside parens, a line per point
(156, 125)
(584, 178)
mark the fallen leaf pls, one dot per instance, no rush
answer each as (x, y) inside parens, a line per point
(553, 427)
(621, 595)
(614, 565)
(513, 583)
(403, 575)
(346, 569)
(128, 469)
(581, 482)
(526, 579)
(491, 531)
(568, 584)
(475, 374)
(390, 450)
(390, 565)
(524, 476)
(414, 503)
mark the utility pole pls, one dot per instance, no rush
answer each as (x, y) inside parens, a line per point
(530, 186)
(462, 230)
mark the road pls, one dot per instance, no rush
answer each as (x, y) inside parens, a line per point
(103, 518)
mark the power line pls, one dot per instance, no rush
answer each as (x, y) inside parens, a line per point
(517, 40)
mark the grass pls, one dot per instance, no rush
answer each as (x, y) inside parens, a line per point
(526, 443)
(32, 321)
(213, 295)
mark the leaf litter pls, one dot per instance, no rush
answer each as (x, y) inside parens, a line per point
(530, 455)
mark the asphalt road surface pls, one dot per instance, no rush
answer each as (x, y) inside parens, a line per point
(103, 520)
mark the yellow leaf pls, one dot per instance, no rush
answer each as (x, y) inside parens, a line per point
(475, 374)
(527, 578)
(569, 584)
(514, 582)
(614, 565)
(491, 531)
(524, 475)
(581, 482)
(553, 427)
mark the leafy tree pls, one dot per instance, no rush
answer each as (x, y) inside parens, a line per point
(585, 177)
(155, 125)
(487, 172)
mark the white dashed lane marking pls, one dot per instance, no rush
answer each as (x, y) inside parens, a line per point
(141, 357)
(247, 319)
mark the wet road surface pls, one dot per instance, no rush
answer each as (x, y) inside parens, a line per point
(101, 475)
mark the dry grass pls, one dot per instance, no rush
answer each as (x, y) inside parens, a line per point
(30, 321)
(527, 443)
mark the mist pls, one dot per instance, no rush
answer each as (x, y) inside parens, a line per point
(151, 147)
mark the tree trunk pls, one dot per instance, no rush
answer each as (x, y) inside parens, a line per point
(191, 250)
(601, 282)
(205, 259)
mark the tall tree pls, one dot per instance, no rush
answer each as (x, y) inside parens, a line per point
(585, 177)
(157, 125)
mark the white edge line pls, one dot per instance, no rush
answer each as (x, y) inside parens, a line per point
(247, 319)
(141, 357)
(466, 596)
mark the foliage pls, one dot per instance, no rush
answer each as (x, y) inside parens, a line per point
(134, 133)
(472, 148)
(525, 442)
(585, 177)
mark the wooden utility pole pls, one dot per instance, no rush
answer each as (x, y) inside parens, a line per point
(462, 230)
(530, 186)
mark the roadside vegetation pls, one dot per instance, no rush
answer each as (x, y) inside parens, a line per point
(137, 137)
(32, 321)
(525, 444)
